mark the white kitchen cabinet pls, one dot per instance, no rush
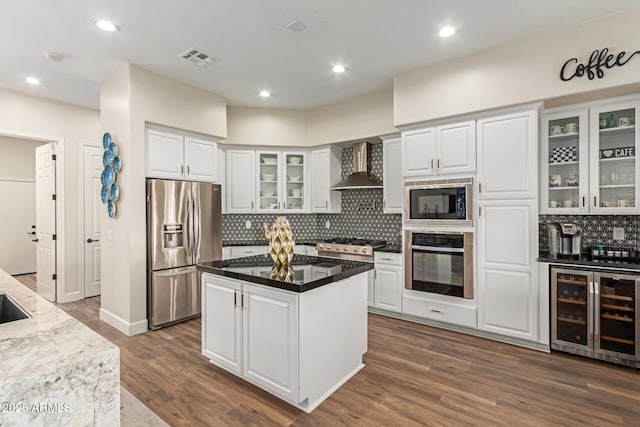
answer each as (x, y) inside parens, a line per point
(393, 189)
(240, 181)
(507, 280)
(222, 336)
(442, 150)
(507, 156)
(252, 331)
(325, 172)
(614, 143)
(418, 149)
(564, 156)
(245, 251)
(170, 155)
(282, 178)
(424, 305)
(388, 282)
(456, 148)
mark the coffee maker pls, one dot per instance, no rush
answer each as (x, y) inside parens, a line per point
(565, 239)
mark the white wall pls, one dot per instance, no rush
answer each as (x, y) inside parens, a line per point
(267, 127)
(362, 117)
(25, 114)
(129, 99)
(520, 72)
(17, 193)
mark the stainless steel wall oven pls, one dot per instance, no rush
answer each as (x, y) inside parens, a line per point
(439, 262)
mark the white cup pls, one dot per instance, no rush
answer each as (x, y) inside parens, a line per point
(556, 130)
(625, 121)
(554, 204)
(623, 203)
(295, 192)
(568, 204)
(571, 127)
(555, 180)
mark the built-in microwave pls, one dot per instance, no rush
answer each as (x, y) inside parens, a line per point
(439, 202)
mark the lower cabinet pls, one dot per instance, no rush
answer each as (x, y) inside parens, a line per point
(386, 290)
(461, 314)
(253, 332)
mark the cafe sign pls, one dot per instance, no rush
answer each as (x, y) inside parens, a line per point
(595, 66)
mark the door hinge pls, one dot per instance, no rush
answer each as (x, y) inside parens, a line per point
(53, 157)
(53, 197)
(55, 277)
(54, 237)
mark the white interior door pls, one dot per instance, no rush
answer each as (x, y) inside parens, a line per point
(46, 221)
(92, 166)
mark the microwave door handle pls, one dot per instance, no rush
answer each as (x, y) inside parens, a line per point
(438, 249)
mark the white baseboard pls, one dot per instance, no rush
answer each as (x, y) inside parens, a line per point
(122, 325)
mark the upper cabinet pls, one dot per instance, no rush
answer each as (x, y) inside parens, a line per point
(588, 162)
(613, 148)
(325, 172)
(171, 155)
(392, 193)
(447, 149)
(282, 179)
(507, 156)
(240, 181)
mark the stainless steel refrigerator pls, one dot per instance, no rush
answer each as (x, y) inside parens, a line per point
(183, 228)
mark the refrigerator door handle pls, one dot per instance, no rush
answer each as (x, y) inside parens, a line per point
(176, 271)
(590, 315)
(596, 311)
(196, 223)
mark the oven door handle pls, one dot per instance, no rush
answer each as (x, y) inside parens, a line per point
(438, 249)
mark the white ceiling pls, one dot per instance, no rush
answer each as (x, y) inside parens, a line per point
(375, 39)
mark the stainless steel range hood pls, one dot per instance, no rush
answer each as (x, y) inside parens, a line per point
(360, 179)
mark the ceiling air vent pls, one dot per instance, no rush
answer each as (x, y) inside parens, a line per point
(198, 57)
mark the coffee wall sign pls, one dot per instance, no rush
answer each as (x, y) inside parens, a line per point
(595, 66)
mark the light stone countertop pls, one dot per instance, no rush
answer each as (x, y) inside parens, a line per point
(53, 359)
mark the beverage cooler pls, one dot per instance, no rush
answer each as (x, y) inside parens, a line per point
(595, 314)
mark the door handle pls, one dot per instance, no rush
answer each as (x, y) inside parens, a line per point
(91, 240)
(34, 240)
(188, 170)
(31, 233)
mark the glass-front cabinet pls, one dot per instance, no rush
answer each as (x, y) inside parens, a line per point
(565, 162)
(614, 166)
(282, 178)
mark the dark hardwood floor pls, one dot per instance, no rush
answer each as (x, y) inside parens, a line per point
(415, 375)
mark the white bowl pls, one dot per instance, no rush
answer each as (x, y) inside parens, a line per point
(269, 160)
(294, 178)
(267, 176)
(295, 160)
(266, 193)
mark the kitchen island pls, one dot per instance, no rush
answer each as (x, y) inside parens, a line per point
(55, 370)
(298, 333)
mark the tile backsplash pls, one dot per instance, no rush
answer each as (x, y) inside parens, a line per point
(597, 230)
(361, 214)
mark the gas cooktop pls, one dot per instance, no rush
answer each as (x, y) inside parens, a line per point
(350, 248)
(353, 241)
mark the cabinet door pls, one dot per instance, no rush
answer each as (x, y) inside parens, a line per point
(572, 307)
(388, 287)
(456, 146)
(564, 160)
(164, 155)
(222, 322)
(507, 157)
(241, 182)
(269, 181)
(325, 171)
(614, 169)
(201, 159)
(270, 328)
(294, 177)
(507, 283)
(418, 152)
(393, 190)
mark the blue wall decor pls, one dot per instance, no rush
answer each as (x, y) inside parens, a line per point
(112, 166)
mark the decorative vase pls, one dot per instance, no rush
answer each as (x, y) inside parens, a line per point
(281, 242)
(283, 273)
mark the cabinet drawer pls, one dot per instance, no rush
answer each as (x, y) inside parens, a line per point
(440, 311)
(244, 251)
(387, 258)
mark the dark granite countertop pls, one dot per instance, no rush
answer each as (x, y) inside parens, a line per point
(587, 261)
(390, 248)
(257, 269)
(260, 243)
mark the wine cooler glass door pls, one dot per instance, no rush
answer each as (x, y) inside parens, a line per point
(572, 308)
(616, 315)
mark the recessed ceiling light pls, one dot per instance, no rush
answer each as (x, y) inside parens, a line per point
(338, 68)
(32, 80)
(106, 25)
(265, 93)
(447, 31)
